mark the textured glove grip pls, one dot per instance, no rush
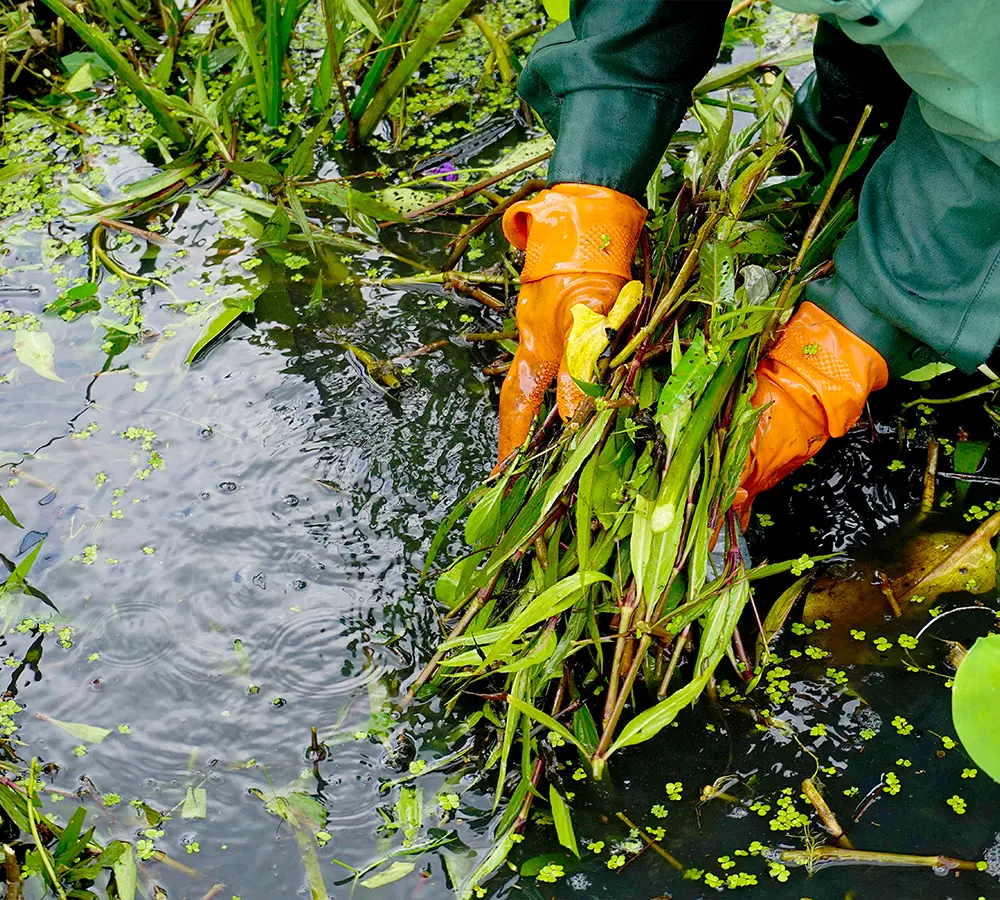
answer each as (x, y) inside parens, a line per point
(575, 228)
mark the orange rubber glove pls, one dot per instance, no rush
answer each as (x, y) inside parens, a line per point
(580, 240)
(817, 378)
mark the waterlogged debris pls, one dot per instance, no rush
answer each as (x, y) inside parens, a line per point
(926, 566)
(36, 350)
(89, 734)
(974, 702)
(381, 371)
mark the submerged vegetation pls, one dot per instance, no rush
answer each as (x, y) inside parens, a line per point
(600, 584)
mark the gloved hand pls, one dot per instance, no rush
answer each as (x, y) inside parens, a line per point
(817, 378)
(580, 240)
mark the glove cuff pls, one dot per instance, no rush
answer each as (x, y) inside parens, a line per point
(575, 228)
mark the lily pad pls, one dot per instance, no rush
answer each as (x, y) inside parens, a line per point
(974, 702)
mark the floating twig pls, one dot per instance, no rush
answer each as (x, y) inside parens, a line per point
(825, 814)
(460, 283)
(652, 844)
(467, 192)
(930, 477)
(890, 595)
(839, 856)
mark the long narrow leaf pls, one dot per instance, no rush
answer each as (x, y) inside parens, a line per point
(149, 98)
(426, 40)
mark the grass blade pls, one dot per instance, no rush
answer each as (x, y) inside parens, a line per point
(96, 40)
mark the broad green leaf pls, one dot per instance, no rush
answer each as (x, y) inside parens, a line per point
(126, 874)
(652, 721)
(73, 62)
(81, 80)
(585, 729)
(717, 632)
(717, 280)
(302, 160)
(685, 384)
(277, 228)
(195, 803)
(975, 699)
(410, 812)
(363, 14)
(17, 579)
(556, 10)
(585, 445)
(396, 870)
(444, 529)
(233, 308)
(931, 370)
(509, 732)
(353, 201)
(502, 845)
(35, 349)
(760, 240)
(589, 388)
(484, 520)
(89, 734)
(564, 821)
(261, 173)
(558, 598)
(146, 187)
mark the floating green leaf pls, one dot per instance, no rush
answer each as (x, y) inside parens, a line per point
(195, 803)
(89, 734)
(396, 870)
(975, 699)
(35, 349)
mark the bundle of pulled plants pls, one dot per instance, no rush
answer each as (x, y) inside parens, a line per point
(604, 582)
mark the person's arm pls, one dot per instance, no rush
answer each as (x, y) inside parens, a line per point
(613, 83)
(918, 276)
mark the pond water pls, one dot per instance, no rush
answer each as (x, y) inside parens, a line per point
(235, 548)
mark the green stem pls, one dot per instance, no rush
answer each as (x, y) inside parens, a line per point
(33, 827)
(425, 41)
(109, 53)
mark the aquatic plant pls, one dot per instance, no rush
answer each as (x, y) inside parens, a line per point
(591, 565)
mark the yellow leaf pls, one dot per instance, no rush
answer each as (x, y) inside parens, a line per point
(586, 342)
(629, 298)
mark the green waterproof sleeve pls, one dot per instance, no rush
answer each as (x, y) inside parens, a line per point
(613, 83)
(918, 276)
